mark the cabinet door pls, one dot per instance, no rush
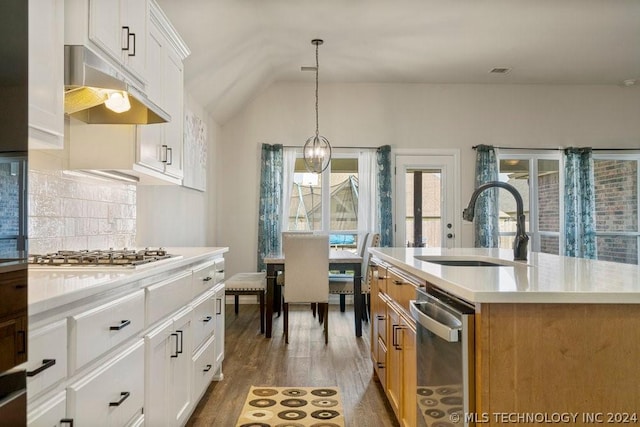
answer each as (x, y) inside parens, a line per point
(112, 395)
(104, 26)
(47, 357)
(409, 380)
(159, 346)
(13, 342)
(394, 361)
(219, 332)
(174, 101)
(46, 73)
(135, 16)
(155, 61)
(180, 365)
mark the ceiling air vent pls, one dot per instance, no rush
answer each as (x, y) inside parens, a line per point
(500, 70)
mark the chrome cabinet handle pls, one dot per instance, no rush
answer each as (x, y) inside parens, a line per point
(123, 324)
(443, 331)
(123, 396)
(46, 364)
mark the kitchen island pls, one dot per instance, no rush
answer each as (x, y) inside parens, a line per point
(125, 345)
(553, 335)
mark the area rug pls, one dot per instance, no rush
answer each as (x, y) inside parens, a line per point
(292, 407)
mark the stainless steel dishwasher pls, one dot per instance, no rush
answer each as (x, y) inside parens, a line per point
(445, 359)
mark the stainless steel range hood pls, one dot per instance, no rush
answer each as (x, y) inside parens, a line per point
(88, 82)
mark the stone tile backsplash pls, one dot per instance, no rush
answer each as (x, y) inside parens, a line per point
(73, 212)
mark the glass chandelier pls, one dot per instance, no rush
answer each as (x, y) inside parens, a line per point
(317, 150)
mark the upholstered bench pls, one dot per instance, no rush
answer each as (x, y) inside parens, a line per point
(248, 284)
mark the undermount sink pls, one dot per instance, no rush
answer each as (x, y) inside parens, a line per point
(469, 261)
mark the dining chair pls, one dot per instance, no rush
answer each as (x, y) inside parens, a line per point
(342, 284)
(307, 281)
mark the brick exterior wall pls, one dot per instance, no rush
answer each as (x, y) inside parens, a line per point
(616, 191)
(8, 206)
(549, 211)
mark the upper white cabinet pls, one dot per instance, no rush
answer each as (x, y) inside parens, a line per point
(118, 28)
(46, 74)
(160, 146)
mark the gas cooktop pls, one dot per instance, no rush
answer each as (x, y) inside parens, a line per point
(128, 258)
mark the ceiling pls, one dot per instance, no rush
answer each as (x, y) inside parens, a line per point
(239, 47)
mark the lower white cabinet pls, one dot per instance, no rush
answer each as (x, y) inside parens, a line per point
(51, 413)
(167, 372)
(219, 330)
(113, 395)
(144, 357)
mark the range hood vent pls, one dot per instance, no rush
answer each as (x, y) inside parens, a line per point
(88, 82)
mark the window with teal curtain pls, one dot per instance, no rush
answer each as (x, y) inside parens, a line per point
(486, 214)
(385, 217)
(579, 204)
(270, 206)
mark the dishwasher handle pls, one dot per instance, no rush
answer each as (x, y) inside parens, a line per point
(445, 332)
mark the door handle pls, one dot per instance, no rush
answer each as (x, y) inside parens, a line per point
(207, 368)
(206, 279)
(219, 303)
(123, 323)
(164, 149)
(169, 156)
(67, 421)
(46, 364)
(134, 44)
(126, 37)
(207, 319)
(175, 335)
(181, 343)
(123, 396)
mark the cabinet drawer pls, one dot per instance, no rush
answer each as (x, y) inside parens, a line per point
(167, 296)
(98, 330)
(204, 366)
(204, 277)
(204, 318)
(13, 292)
(47, 357)
(51, 413)
(111, 396)
(382, 279)
(219, 270)
(401, 289)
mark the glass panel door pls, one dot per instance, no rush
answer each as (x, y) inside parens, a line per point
(425, 201)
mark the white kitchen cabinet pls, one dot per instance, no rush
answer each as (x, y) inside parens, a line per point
(219, 331)
(53, 412)
(203, 367)
(113, 394)
(166, 296)
(46, 74)
(120, 29)
(160, 146)
(168, 375)
(95, 331)
(47, 363)
(204, 318)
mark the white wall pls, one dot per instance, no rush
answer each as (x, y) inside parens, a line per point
(178, 216)
(408, 116)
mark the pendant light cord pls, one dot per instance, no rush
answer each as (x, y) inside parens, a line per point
(317, 69)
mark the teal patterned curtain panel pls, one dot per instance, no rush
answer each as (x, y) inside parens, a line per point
(385, 216)
(486, 213)
(579, 204)
(270, 204)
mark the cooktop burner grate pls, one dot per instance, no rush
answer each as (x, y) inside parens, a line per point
(112, 257)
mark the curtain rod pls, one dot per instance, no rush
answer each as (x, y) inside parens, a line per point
(559, 149)
(332, 147)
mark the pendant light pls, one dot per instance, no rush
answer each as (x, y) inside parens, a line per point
(317, 150)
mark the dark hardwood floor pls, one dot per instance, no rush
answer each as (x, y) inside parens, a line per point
(251, 359)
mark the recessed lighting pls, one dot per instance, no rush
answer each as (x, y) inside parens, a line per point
(629, 82)
(500, 70)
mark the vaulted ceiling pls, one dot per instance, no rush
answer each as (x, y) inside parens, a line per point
(239, 47)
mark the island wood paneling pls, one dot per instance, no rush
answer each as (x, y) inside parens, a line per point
(556, 358)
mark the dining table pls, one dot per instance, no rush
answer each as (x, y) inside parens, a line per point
(339, 260)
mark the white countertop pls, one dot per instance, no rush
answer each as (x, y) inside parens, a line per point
(51, 287)
(543, 278)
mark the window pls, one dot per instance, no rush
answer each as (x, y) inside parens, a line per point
(617, 207)
(537, 178)
(12, 204)
(327, 202)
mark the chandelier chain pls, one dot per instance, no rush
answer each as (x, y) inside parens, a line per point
(317, 70)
